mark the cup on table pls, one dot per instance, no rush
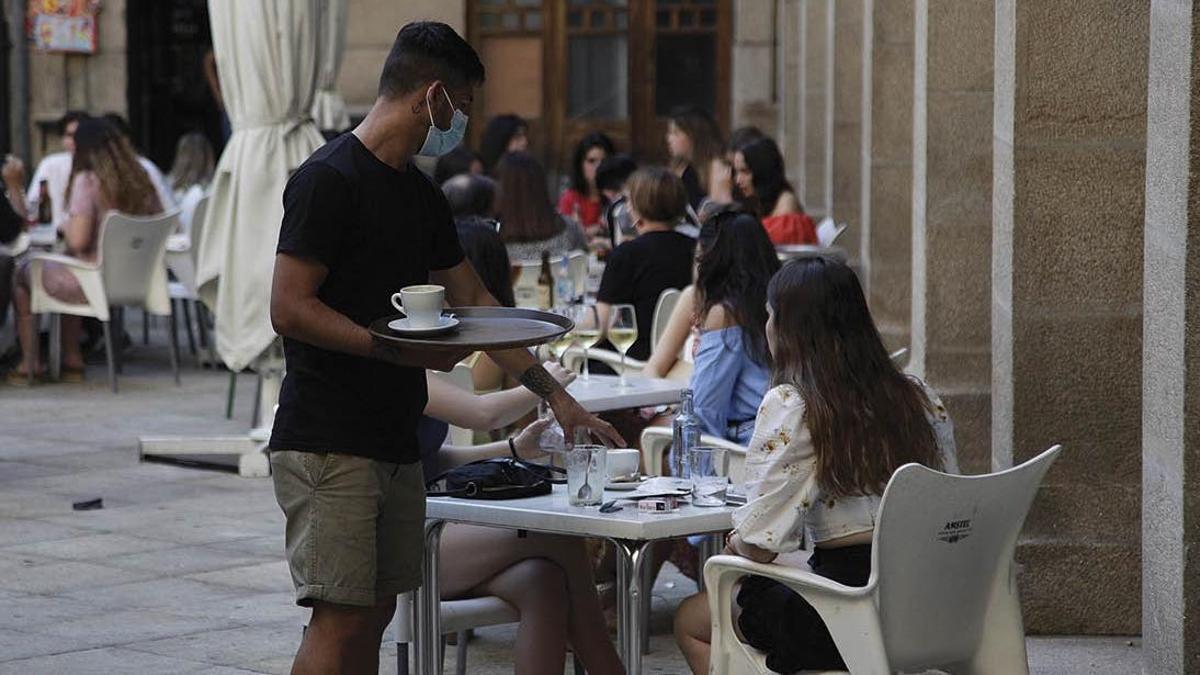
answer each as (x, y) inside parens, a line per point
(709, 476)
(586, 466)
(622, 462)
(422, 304)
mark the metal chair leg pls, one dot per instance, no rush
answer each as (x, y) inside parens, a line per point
(233, 377)
(460, 653)
(55, 364)
(36, 320)
(578, 665)
(401, 658)
(187, 323)
(145, 327)
(174, 351)
(647, 596)
(108, 350)
(117, 318)
(257, 400)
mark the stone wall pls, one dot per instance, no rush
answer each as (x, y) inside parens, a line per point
(1068, 190)
(847, 97)
(816, 66)
(94, 82)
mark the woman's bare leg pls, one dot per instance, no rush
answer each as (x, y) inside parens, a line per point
(72, 354)
(693, 632)
(538, 589)
(26, 330)
(472, 555)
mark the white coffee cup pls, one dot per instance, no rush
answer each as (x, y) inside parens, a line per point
(421, 304)
(623, 462)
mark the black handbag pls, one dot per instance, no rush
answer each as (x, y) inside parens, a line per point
(497, 478)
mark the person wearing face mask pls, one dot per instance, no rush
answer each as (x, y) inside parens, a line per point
(360, 222)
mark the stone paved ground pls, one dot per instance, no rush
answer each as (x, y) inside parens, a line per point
(182, 571)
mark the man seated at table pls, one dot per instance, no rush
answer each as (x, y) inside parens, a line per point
(361, 222)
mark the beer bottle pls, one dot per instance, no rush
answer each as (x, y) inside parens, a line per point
(545, 284)
(45, 213)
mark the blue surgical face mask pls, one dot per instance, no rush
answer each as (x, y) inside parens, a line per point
(438, 141)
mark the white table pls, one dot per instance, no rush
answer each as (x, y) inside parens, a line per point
(630, 531)
(600, 393)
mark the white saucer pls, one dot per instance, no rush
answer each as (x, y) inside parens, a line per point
(445, 325)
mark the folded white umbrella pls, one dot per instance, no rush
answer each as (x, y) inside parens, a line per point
(267, 55)
(329, 110)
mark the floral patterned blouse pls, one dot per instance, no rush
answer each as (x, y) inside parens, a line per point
(785, 504)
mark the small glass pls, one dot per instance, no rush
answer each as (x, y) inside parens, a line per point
(709, 477)
(586, 472)
(622, 333)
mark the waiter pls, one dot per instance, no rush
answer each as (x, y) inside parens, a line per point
(361, 222)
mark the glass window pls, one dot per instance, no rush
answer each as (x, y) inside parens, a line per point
(533, 21)
(685, 72)
(598, 77)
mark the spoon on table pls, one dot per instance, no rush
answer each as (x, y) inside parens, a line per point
(585, 490)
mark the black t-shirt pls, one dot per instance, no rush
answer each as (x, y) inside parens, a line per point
(639, 270)
(377, 230)
(691, 183)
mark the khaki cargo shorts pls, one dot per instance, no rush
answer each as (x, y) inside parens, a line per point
(355, 526)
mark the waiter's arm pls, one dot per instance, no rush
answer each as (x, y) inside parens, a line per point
(297, 312)
(464, 289)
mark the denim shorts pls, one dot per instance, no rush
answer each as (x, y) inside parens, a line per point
(355, 526)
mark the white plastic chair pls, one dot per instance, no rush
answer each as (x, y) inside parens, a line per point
(828, 232)
(900, 357)
(656, 440)
(942, 592)
(458, 617)
(525, 287)
(662, 313)
(182, 253)
(129, 272)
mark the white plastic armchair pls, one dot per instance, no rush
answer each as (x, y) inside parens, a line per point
(656, 440)
(458, 617)
(573, 360)
(828, 232)
(129, 272)
(942, 592)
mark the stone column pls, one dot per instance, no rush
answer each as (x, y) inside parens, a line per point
(1069, 133)
(816, 188)
(952, 215)
(1171, 334)
(886, 211)
(847, 94)
(754, 64)
(789, 79)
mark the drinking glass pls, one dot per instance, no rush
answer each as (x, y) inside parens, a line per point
(622, 333)
(560, 345)
(587, 331)
(586, 474)
(709, 479)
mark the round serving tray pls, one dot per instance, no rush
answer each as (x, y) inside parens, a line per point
(483, 329)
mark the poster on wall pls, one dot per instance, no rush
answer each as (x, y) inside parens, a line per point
(63, 25)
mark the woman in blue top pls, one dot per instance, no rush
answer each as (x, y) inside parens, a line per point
(734, 263)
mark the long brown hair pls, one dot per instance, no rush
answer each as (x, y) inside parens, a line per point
(700, 127)
(866, 417)
(101, 149)
(522, 201)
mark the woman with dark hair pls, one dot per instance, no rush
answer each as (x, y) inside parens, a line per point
(456, 162)
(528, 222)
(839, 421)
(734, 263)
(484, 248)
(504, 134)
(762, 183)
(583, 201)
(105, 176)
(695, 146)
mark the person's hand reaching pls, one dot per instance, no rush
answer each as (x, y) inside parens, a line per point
(13, 171)
(528, 441)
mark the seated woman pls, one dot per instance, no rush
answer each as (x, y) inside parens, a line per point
(761, 182)
(547, 578)
(503, 134)
(487, 254)
(734, 263)
(105, 176)
(582, 201)
(528, 222)
(839, 421)
(639, 270)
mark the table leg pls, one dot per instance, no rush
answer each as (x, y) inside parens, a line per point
(427, 628)
(710, 545)
(631, 559)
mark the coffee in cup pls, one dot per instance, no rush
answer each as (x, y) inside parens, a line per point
(422, 304)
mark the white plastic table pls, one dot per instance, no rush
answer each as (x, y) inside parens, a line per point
(630, 531)
(600, 393)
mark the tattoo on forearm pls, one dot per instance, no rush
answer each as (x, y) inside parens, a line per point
(539, 381)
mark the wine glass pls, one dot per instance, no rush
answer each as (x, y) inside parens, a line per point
(622, 333)
(559, 345)
(587, 331)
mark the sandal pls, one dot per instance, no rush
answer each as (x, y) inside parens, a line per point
(71, 376)
(16, 378)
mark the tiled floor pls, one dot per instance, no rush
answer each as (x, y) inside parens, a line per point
(182, 571)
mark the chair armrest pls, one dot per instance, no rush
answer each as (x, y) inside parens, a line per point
(656, 440)
(728, 568)
(573, 360)
(64, 260)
